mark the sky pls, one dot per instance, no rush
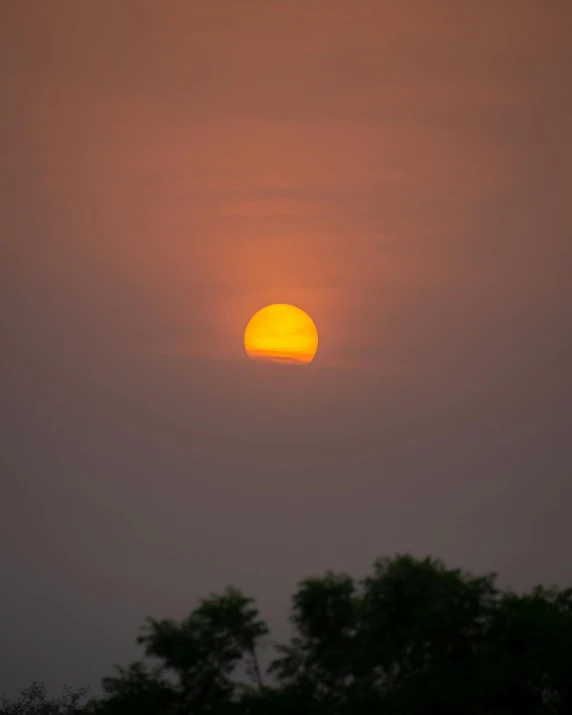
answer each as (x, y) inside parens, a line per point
(399, 170)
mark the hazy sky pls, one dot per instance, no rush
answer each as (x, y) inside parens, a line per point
(400, 169)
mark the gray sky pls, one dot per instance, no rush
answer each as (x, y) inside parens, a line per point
(400, 170)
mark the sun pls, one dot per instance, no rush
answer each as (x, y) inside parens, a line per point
(281, 333)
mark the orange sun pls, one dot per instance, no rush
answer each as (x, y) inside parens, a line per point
(281, 333)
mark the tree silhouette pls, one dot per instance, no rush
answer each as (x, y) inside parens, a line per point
(34, 701)
(199, 657)
(413, 637)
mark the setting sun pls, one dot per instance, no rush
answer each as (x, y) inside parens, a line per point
(281, 333)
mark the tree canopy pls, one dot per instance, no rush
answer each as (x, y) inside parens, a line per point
(412, 637)
(34, 700)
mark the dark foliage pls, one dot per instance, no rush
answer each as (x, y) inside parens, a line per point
(35, 701)
(413, 637)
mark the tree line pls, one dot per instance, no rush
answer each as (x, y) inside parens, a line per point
(412, 637)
